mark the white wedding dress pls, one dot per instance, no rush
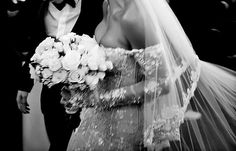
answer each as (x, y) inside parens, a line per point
(120, 126)
(196, 114)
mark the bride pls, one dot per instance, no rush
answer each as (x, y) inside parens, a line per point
(159, 94)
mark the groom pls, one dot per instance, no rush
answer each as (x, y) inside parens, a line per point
(56, 18)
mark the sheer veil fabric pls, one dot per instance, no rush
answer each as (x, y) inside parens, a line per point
(198, 111)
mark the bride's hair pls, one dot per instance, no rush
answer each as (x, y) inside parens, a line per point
(198, 112)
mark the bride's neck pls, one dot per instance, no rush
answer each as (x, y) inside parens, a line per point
(117, 4)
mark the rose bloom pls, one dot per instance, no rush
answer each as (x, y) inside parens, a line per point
(77, 39)
(46, 73)
(74, 46)
(66, 39)
(92, 81)
(59, 76)
(76, 76)
(54, 64)
(66, 48)
(84, 60)
(92, 64)
(109, 65)
(36, 57)
(58, 46)
(71, 60)
(102, 67)
(101, 75)
(40, 49)
(88, 42)
(45, 45)
(83, 70)
(50, 54)
(95, 58)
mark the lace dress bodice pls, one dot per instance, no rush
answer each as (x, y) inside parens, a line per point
(120, 127)
(126, 71)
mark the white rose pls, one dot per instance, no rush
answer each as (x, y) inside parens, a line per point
(92, 81)
(35, 57)
(59, 76)
(54, 64)
(71, 60)
(76, 76)
(50, 54)
(101, 75)
(84, 60)
(74, 46)
(45, 45)
(83, 70)
(77, 39)
(102, 67)
(92, 64)
(48, 42)
(45, 62)
(65, 39)
(40, 49)
(71, 35)
(87, 42)
(46, 73)
(94, 58)
(109, 65)
(58, 46)
(81, 48)
(66, 48)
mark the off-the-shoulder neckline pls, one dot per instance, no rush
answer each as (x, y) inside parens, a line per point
(131, 50)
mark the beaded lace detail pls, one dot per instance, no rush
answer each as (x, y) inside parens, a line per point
(125, 64)
(165, 127)
(121, 125)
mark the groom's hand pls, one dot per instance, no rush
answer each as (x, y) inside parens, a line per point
(22, 103)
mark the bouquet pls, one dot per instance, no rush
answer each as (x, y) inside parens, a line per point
(74, 60)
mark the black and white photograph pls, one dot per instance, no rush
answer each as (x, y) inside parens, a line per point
(118, 75)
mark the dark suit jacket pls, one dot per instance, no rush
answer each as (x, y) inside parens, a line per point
(90, 16)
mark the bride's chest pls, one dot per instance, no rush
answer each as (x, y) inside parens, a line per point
(125, 69)
(109, 33)
(123, 63)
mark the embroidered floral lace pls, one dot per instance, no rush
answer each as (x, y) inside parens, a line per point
(115, 122)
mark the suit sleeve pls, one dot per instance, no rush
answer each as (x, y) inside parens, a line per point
(32, 38)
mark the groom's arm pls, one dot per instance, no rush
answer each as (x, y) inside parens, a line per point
(30, 30)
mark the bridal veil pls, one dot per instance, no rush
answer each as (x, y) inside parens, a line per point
(198, 112)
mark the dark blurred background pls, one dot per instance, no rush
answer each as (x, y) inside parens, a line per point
(15, 43)
(211, 27)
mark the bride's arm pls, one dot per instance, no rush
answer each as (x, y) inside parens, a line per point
(156, 83)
